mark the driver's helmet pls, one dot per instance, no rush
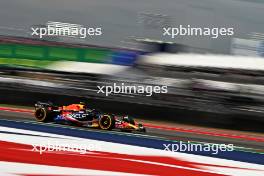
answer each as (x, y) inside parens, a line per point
(126, 119)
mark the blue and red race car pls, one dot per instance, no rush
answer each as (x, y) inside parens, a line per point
(80, 115)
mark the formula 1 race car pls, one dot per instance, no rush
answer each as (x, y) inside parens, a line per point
(80, 115)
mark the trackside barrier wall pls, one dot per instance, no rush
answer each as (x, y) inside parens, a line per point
(59, 53)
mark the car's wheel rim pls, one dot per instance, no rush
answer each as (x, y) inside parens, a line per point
(105, 122)
(40, 114)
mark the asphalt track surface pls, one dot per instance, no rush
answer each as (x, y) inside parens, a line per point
(250, 141)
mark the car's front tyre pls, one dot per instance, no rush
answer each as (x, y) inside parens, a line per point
(107, 122)
(42, 114)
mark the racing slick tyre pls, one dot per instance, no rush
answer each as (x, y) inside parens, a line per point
(107, 122)
(142, 129)
(42, 114)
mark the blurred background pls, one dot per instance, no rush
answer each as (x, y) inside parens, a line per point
(216, 82)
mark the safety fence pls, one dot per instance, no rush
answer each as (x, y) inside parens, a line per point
(12, 53)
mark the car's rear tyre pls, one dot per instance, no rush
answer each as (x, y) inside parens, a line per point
(142, 129)
(107, 122)
(42, 115)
